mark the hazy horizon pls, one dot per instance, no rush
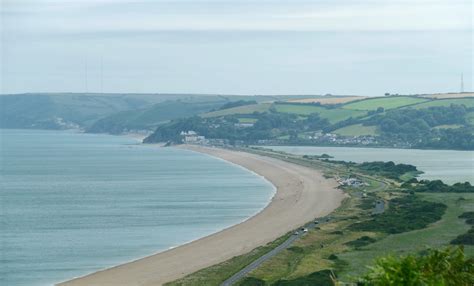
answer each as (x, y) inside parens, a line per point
(236, 47)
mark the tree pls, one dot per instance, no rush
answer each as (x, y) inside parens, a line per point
(445, 267)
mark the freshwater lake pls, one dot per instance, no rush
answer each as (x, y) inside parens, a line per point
(447, 165)
(73, 203)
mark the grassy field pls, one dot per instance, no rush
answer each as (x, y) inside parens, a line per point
(247, 120)
(216, 274)
(448, 126)
(329, 99)
(470, 118)
(247, 109)
(385, 102)
(468, 102)
(356, 130)
(436, 235)
(333, 115)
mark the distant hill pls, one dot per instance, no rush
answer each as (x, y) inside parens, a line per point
(388, 121)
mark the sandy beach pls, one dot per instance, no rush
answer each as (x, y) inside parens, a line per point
(302, 195)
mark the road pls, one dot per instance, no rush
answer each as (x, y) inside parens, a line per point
(379, 208)
(287, 243)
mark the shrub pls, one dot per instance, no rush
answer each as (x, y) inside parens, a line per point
(438, 267)
(405, 214)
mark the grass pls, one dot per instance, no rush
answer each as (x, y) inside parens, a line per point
(470, 118)
(468, 102)
(356, 130)
(385, 102)
(436, 235)
(448, 126)
(246, 109)
(405, 214)
(333, 115)
(247, 120)
(216, 274)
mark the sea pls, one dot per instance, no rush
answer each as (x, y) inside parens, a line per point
(450, 166)
(74, 203)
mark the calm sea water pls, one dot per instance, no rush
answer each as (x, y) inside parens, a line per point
(75, 203)
(447, 165)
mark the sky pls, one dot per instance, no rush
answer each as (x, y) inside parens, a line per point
(236, 46)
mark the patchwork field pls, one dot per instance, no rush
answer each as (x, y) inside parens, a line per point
(468, 102)
(329, 99)
(448, 95)
(333, 115)
(246, 109)
(385, 102)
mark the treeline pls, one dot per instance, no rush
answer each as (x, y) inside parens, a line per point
(269, 125)
(416, 126)
(437, 186)
(237, 104)
(399, 127)
(405, 214)
(387, 169)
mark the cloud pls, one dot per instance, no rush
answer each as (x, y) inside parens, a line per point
(98, 16)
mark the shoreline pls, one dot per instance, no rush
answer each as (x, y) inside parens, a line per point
(302, 194)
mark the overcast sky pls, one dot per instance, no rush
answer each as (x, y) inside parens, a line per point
(236, 46)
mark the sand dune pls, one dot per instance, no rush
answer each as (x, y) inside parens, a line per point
(302, 194)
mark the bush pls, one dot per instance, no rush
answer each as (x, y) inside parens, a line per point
(252, 281)
(405, 214)
(438, 267)
(320, 278)
(362, 241)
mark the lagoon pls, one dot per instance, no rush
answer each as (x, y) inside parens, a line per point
(447, 165)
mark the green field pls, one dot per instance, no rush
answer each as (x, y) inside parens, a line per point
(436, 235)
(448, 126)
(333, 115)
(246, 109)
(470, 118)
(468, 102)
(385, 102)
(247, 120)
(356, 130)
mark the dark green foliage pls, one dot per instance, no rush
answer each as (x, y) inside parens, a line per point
(404, 214)
(448, 267)
(467, 215)
(465, 239)
(367, 203)
(296, 249)
(468, 237)
(362, 241)
(437, 186)
(251, 281)
(151, 117)
(320, 278)
(387, 169)
(333, 257)
(415, 126)
(237, 104)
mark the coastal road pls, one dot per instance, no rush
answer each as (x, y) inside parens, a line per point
(378, 209)
(287, 243)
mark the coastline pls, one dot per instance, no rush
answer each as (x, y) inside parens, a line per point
(302, 194)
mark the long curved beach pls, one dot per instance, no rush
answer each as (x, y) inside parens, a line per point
(302, 195)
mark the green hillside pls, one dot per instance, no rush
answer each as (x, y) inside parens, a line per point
(150, 118)
(468, 102)
(333, 115)
(385, 102)
(246, 109)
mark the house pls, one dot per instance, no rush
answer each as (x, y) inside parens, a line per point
(191, 137)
